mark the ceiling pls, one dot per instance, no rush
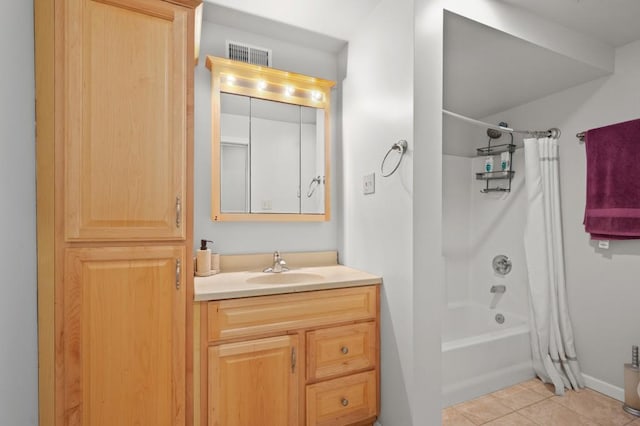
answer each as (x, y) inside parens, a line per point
(487, 71)
(252, 23)
(334, 18)
(614, 22)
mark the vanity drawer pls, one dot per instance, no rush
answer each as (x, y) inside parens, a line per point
(342, 401)
(339, 350)
(233, 318)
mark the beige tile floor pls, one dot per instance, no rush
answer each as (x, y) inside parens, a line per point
(532, 403)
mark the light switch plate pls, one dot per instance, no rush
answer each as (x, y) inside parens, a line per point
(369, 183)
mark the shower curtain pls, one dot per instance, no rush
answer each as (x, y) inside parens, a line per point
(552, 345)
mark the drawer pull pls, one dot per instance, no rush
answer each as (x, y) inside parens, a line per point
(344, 350)
(344, 402)
(178, 212)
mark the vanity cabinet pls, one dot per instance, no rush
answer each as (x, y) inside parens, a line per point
(309, 358)
(254, 382)
(114, 90)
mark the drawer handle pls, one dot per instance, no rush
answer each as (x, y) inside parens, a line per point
(344, 402)
(344, 350)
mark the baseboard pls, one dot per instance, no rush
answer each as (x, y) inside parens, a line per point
(604, 387)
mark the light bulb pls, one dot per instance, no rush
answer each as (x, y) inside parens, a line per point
(316, 95)
(230, 79)
(289, 90)
(262, 85)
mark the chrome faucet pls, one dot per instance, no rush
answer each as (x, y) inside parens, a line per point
(497, 291)
(279, 265)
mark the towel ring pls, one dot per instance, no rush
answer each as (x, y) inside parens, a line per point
(401, 147)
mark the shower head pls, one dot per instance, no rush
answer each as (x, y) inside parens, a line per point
(493, 133)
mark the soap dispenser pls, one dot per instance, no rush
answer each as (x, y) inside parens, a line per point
(203, 260)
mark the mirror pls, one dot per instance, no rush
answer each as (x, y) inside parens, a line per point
(271, 156)
(270, 144)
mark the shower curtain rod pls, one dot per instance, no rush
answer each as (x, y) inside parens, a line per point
(553, 133)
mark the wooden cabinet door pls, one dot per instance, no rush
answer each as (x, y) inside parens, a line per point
(254, 383)
(124, 336)
(125, 115)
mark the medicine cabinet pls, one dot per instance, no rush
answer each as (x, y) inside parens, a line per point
(270, 144)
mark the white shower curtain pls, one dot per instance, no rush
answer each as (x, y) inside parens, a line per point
(554, 355)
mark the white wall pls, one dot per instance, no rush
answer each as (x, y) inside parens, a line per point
(478, 226)
(428, 264)
(239, 237)
(497, 227)
(456, 215)
(377, 105)
(603, 287)
(18, 354)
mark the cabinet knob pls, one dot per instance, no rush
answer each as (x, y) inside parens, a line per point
(344, 402)
(344, 350)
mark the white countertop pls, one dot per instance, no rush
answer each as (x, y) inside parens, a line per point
(231, 285)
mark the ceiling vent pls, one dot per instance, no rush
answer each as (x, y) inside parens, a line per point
(249, 54)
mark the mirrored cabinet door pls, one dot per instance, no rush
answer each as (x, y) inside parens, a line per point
(275, 157)
(234, 153)
(312, 161)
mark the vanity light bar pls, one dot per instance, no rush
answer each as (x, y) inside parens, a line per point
(263, 85)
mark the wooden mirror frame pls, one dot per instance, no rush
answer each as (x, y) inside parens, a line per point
(309, 91)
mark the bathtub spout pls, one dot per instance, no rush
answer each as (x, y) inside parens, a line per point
(498, 289)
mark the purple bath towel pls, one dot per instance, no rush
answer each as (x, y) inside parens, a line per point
(613, 182)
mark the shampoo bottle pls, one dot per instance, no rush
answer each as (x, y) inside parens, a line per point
(488, 164)
(504, 161)
(203, 259)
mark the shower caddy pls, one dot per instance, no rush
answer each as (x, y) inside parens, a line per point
(492, 150)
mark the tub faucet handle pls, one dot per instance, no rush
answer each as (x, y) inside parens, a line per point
(501, 264)
(498, 288)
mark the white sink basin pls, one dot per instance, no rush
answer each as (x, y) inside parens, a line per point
(285, 278)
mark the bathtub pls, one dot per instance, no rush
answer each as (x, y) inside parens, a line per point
(479, 355)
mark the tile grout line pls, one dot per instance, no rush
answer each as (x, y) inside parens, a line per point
(518, 411)
(545, 397)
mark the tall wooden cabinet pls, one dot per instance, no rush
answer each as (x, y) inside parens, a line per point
(114, 110)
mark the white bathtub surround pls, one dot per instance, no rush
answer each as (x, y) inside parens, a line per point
(480, 355)
(553, 349)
